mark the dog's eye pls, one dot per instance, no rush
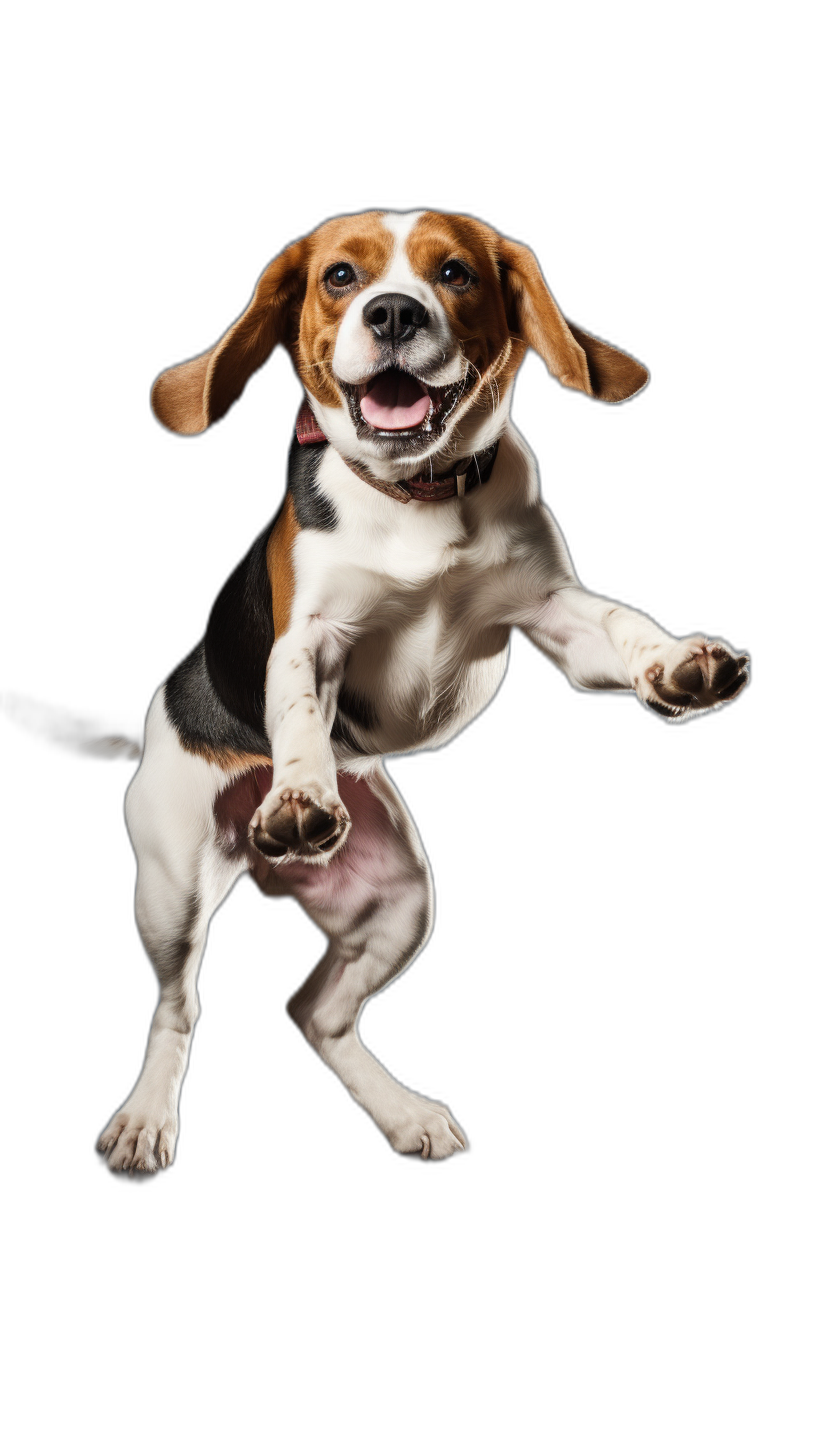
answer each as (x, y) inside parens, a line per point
(340, 276)
(455, 274)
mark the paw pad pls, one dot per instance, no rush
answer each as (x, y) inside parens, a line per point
(299, 825)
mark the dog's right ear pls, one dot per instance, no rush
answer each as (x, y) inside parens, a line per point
(191, 396)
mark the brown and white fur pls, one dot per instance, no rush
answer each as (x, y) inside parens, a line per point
(360, 625)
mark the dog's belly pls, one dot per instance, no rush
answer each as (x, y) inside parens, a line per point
(417, 687)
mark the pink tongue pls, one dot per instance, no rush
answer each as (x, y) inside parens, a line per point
(395, 401)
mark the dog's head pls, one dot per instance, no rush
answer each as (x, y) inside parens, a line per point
(406, 330)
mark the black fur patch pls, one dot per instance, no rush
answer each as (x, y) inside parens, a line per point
(239, 638)
(353, 712)
(356, 708)
(200, 717)
(216, 697)
(313, 510)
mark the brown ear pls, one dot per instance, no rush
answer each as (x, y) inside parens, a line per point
(191, 396)
(574, 357)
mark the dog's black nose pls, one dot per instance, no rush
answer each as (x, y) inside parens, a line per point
(394, 317)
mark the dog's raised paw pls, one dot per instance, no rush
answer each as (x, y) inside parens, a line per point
(691, 676)
(301, 823)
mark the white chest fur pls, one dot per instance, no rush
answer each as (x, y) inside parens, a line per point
(413, 588)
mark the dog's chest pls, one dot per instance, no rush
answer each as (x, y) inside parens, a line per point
(424, 658)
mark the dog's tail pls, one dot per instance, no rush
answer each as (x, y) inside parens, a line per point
(63, 727)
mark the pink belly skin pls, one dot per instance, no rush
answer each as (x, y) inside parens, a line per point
(373, 855)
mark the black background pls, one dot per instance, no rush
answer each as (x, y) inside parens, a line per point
(583, 1003)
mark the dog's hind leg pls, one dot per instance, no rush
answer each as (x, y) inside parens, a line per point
(374, 901)
(184, 872)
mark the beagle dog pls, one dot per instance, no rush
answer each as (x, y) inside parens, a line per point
(371, 617)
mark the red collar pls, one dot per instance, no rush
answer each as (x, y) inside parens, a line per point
(307, 429)
(464, 476)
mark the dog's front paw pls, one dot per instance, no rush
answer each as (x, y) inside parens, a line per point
(300, 823)
(691, 675)
(140, 1139)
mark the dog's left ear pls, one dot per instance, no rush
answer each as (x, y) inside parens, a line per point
(191, 396)
(574, 357)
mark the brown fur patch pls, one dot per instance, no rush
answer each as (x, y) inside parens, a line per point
(613, 374)
(368, 246)
(281, 567)
(230, 759)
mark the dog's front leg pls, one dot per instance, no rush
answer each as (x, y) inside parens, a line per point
(603, 644)
(302, 815)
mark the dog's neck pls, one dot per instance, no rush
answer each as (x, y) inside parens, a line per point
(451, 478)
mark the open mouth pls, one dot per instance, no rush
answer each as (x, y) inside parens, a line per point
(401, 406)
